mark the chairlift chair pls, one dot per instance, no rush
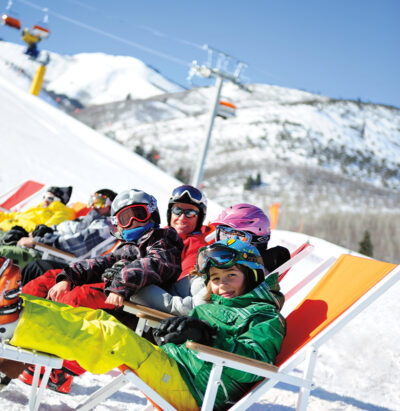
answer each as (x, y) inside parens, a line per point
(41, 31)
(10, 21)
(226, 109)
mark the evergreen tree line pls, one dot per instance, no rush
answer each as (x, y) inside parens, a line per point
(371, 233)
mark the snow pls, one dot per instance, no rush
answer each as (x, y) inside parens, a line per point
(357, 370)
(92, 78)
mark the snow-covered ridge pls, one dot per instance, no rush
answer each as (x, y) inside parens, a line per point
(92, 78)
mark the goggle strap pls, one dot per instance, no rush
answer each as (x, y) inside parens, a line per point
(255, 274)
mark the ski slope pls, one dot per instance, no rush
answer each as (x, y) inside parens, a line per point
(357, 370)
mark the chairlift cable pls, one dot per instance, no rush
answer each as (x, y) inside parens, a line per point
(152, 30)
(110, 35)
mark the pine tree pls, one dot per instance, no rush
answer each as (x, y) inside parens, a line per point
(249, 184)
(366, 246)
(258, 181)
(139, 150)
(182, 175)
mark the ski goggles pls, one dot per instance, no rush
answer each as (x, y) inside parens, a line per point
(99, 201)
(225, 233)
(193, 193)
(50, 198)
(222, 256)
(189, 213)
(137, 212)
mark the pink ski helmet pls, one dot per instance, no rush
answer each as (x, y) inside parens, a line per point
(245, 217)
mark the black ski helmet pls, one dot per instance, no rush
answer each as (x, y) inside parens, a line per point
(189, 195)
(134, 196)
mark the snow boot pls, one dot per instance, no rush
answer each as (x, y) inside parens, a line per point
(59, 380)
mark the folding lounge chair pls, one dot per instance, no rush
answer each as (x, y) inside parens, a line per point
(349, 286)
(302, 251)
(324, 311)
(47, 250)
(39, 360)
(17, 197)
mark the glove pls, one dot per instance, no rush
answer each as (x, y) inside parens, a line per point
(41, 230)
(110, 273)
(12, 236)
(177, 330)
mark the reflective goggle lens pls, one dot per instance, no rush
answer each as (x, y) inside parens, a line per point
(50, 199)
(134, 212)
(220, 257)
(194, 194)
(224, 233)
(99, 201)
(188, 212)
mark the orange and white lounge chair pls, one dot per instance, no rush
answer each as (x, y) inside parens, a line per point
(346, 289)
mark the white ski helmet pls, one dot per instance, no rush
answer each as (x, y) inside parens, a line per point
(135, 196)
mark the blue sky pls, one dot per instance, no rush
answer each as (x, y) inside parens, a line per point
(341, 49)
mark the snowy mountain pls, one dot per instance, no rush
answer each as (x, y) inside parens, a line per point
(322, 159)
(357, 370)
(88, 78)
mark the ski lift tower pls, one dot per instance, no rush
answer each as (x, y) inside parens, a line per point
(220, 66)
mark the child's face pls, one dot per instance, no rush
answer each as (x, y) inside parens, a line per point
(227, 282)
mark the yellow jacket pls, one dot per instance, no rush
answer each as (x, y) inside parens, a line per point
(30, 38)
(54, 214)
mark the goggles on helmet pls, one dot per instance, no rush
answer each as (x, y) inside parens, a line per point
(193, 193)
(137, 212)
(99, 201)
(225, 232)
(222, 256)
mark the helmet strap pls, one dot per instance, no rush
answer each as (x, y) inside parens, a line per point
(255, 274)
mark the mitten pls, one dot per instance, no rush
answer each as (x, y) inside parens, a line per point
(41, 230)
(177, 330)
(12, 236)
(110, 273)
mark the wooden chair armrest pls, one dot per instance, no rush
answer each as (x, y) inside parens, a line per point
(229, 357)
(44, 247)
(141, 310)
(148, 317)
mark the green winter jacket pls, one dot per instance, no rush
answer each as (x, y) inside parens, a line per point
(249, 325)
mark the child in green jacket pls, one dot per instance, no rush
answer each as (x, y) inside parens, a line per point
(242, 317)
